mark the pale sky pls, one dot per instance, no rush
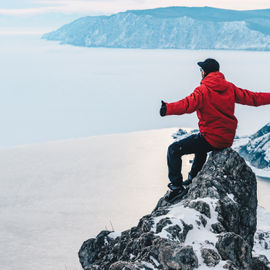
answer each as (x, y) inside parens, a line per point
(31, 7)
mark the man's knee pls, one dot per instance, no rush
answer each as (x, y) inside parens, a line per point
(175, 149)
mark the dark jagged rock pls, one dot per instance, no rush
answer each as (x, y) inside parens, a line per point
(210, 257)
(230, 266)
(177, 256)
(260, 263)
(263, 239)
(234, 248)
(201, 207)
(212, 225)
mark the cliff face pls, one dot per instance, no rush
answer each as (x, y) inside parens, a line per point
(212, 226)
(170, 28)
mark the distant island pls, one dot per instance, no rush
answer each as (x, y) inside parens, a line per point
(171, 28)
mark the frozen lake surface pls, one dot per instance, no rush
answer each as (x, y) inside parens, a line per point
(51, 92)
(54, 196)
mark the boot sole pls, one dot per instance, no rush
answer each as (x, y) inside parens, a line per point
(179, 196)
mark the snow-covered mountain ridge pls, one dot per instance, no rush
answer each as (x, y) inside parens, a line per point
(214, 226)
(256, 150)
(170, 28)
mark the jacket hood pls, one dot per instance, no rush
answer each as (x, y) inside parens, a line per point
(215, 81)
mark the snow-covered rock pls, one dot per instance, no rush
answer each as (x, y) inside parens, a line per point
(170, 28)
(212, 227)
(261, 248)
(256, 150)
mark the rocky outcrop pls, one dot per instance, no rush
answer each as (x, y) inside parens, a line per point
(255, 149)
(260, 263)
(213, 225)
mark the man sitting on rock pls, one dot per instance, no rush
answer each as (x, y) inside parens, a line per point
(214, 102)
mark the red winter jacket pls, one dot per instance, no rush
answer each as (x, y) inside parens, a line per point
(214, 101)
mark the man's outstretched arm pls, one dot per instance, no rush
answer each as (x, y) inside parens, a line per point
(246, 97)
(187, 105)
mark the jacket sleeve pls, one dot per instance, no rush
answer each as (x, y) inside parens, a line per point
(189, 104)
(246, 97)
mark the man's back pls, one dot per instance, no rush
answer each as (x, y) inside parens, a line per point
(216, 114)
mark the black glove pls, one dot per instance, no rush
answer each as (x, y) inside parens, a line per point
(163, 108)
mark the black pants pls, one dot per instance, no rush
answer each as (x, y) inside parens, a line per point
(194, 144)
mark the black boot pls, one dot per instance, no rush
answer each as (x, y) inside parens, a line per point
(175, 192)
